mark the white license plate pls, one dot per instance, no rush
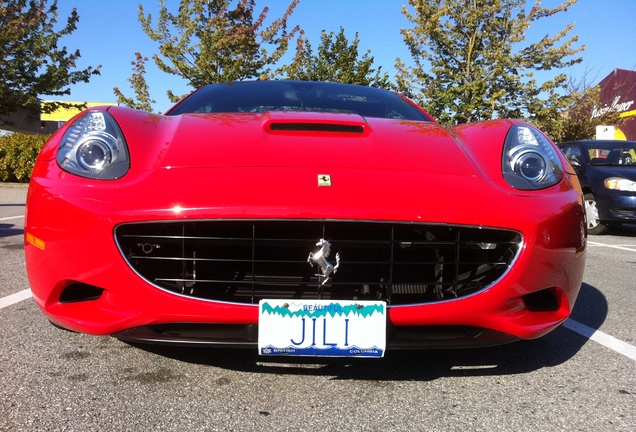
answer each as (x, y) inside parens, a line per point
(322, 328)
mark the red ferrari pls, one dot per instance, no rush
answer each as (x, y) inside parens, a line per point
(303, 218)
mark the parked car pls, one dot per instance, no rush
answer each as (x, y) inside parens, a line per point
(303, 218)
(607, 172)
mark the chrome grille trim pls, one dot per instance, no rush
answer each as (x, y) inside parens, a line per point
(243, 261)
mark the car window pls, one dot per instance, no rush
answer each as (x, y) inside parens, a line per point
(572, 153)
(611, 155)
(262, 96)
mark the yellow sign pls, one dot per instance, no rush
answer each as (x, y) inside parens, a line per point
(64, 114)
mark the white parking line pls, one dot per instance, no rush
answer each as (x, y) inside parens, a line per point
(604, 339)
(11, 217)
(15, 298)
(629, 248)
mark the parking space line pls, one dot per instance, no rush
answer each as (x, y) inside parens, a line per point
(11, 217)
(15, 298)
(630, 249)
(604, 339)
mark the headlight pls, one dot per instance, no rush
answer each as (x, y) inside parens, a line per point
(94, 147)
(622, 184)
(529, 160)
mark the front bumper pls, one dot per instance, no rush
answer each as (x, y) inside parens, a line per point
(75, 221)
(246, 336)
(619, 208)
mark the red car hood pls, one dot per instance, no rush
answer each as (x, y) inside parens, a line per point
(291, 139)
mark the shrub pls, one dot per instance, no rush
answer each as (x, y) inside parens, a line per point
(17, 156)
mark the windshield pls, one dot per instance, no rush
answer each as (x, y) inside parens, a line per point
(615, 154)
(261, 96)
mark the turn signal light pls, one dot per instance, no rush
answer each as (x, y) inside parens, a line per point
(38, 243)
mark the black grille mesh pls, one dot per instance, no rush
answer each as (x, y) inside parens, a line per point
(246, 261)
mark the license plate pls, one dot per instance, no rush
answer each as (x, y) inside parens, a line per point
(322, 328)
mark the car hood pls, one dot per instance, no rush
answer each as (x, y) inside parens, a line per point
(292, 139)
(603, 172)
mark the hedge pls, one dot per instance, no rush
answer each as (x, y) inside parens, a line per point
(17, 156)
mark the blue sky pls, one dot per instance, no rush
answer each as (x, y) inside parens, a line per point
(109, 34)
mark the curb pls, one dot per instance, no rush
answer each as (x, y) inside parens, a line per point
(13, 185)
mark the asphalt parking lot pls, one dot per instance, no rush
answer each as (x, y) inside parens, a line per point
(581, 377)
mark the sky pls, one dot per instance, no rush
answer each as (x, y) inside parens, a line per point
(109, 34)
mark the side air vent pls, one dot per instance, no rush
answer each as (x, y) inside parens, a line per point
(79, 292)
(317, 127)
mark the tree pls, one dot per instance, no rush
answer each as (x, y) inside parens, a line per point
(31, 62)
(471, 62)
(207, 42)
(581, 116)
(138, 84)
(336, 61)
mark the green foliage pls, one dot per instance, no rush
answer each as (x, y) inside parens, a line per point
(472, 61)
(31, 63)
(207, 42)
(576, 121)
(336, 61)
(142, 100)
(17, 155)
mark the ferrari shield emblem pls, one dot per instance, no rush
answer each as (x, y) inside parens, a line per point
(324, 180)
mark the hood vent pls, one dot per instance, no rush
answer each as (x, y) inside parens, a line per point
(317, 127)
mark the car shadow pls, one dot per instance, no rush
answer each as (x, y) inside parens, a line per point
(414, 365)
(623, 230)
(8, 230)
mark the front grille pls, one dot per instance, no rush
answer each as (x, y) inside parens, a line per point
(246, 261)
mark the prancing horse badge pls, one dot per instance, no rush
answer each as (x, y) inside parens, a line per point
(324, 180)
(320, 258)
